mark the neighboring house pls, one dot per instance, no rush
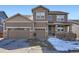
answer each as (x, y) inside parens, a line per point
(43, 22)
(75, 27)
(3, 16)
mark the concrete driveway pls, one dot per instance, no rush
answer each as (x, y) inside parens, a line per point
(20, 46)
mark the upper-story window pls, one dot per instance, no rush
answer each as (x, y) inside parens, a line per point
(49, 18)
(40, 15)
(60, 18)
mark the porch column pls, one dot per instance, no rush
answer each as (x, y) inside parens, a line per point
(70, 28)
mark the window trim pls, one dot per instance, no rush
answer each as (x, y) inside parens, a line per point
(60, 17)
(41, 14)
(60, 27)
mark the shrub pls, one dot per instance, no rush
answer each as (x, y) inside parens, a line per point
(66, 35)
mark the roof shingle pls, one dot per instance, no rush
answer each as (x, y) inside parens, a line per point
(57, 12)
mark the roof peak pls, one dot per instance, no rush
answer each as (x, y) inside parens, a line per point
(40, 6)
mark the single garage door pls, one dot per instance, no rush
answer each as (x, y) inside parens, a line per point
(40, 33)
(18, 33)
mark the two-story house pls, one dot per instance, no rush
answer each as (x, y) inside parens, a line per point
(43, 22)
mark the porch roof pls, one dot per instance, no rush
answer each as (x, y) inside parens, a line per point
(62, 23)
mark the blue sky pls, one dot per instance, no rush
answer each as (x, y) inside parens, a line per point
(26, 9)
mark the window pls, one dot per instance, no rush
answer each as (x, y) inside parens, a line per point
(59, 28)
(59, 25)
(49, 17)
(62, 29)
(50, 27)
(60, 17)
(40, 15)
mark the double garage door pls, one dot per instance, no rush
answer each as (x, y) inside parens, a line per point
(19, 33)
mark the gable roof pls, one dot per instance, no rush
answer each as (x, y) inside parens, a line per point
(57, 12)
(40, 6)
(16, 16)
(3, 15)
(29, 16)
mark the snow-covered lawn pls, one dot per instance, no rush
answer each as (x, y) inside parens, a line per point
(61, 45)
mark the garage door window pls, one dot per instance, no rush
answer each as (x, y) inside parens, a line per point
(19, 29)
(39, 29)
(16, 29)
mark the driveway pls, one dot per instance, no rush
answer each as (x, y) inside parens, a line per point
(20, 45)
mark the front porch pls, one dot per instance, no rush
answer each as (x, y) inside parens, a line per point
(54, 28)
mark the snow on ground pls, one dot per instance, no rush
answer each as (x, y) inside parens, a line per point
(61, 45)
(74, 44)
(22, 45)
(1, 38)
